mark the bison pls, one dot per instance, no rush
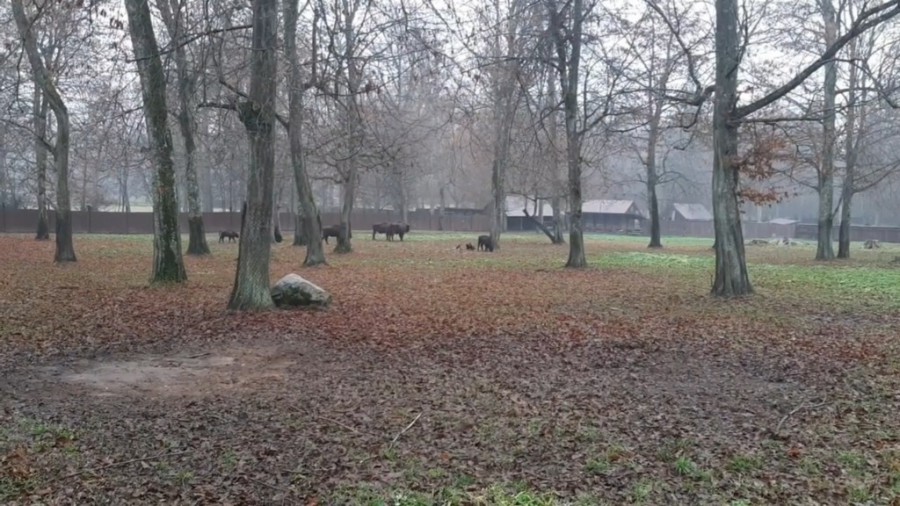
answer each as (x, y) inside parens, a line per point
(390, 230)
(485, 243)
(231, 235)
(334, 231)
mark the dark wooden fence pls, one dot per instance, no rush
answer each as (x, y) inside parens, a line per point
(95, 222)
(752, 230)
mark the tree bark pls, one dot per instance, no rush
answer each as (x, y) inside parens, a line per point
(65, 249)
(731, 278)
(653, 177)
(824, 247)
(557, 220)
(168, 265)
(40, 158)
(251, 283)
(844, 232)
(353, 125)
(308, 228)
(349, 194)
(174, 24)
(569, 77)
(854, 131)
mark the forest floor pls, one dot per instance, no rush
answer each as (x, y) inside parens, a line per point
(446, 377)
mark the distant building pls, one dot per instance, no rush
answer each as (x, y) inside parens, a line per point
(516, 220)
(611, 216)
(690, 212)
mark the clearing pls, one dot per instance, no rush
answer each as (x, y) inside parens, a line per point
(445, 377)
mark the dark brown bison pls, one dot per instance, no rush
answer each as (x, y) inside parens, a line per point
(485, 243)
(390, 230)
(334, 231)
(380, 228)
(231, 235)
(400, 229)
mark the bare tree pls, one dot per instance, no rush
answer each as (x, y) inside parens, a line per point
(65, 249)
(173, 16)
(251, 283)
(565, 27)
(311, 229)
(168, 265)
(40, 106)
(731, 39)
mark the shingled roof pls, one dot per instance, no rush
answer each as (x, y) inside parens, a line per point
(693, 212)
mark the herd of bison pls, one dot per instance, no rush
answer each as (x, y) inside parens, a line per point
(390, 230)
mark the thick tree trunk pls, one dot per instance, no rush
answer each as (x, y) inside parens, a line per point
(844, 232)
(308, 227)
(824, 247)
(40, 158)
(652, 176)
(65, 249)
(251, 283)
(498, 195)
(855, 129)
(443, 197)
(557, 221)
(569, 88)
(174, 24)
(168, 265)
(353, 126)
(653, 209)
(349, 194)
(731, 278)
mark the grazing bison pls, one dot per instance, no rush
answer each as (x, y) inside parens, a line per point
(390, 230)
(397, 229)
(331, 231)
(231, 235)
(380, 228)
(485, 243)
(334, 231)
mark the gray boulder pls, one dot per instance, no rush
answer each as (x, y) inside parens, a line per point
(294, 291)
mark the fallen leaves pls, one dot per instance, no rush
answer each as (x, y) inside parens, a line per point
(438, 372)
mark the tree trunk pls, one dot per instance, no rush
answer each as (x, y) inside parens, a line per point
(653, 201)
(174, 24)
(443, 197)
(731, 278)
(498, 195)
(353, 125)
(308, 227)
(168, 265)
(844, 232)
(251, 282)
(569, 77)
(349, 193)
(40, 158)
(855, 130)
(652, 176)
(540, 225)
(404, 201)
(65, 249)
(824, 248)
(557, 220)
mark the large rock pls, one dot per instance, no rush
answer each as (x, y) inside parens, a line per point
(294, 291)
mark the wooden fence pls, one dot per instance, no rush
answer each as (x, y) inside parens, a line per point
(95, 222)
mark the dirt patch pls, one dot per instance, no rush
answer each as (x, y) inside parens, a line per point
(236, 367)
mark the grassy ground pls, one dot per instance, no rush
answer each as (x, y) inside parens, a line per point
(448, 377)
